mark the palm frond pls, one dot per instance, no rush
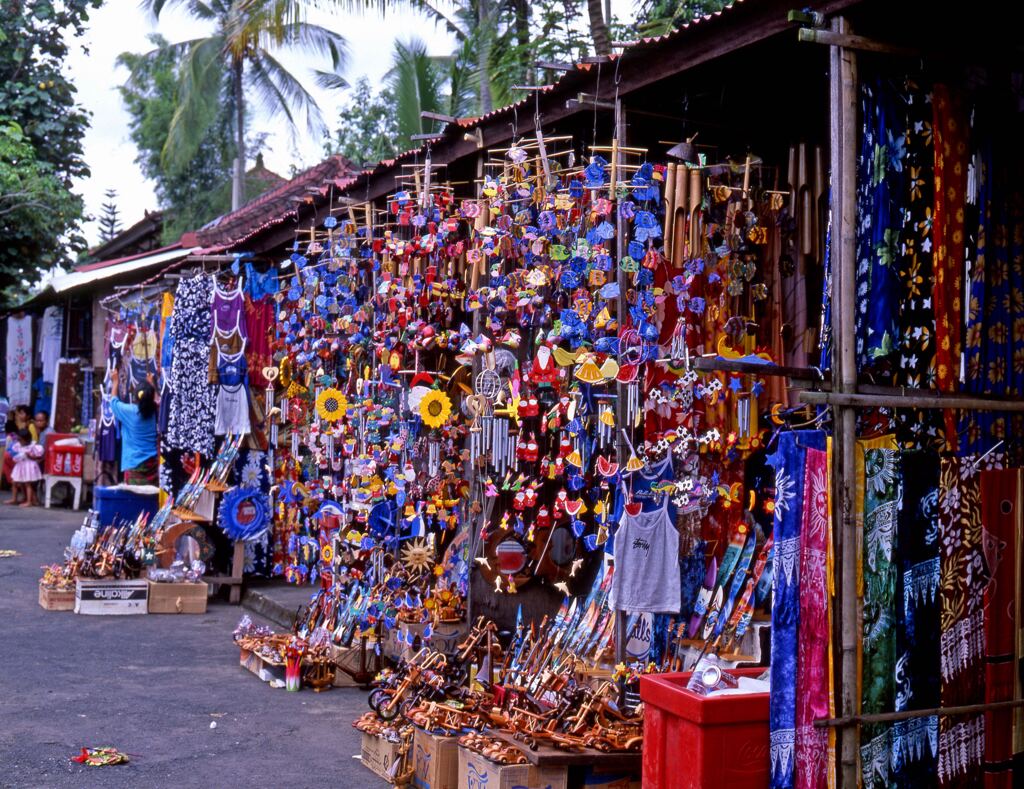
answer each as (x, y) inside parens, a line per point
(417, 85)
(316, 39)
(281, 93)
(200, 87)
(329, 80)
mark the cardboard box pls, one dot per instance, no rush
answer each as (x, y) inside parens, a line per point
(595, 779)
(116, 598)
(263, 669)
(396, 644)
(435, 761)
(177, 598)
(448, 635)
(380, 755)
(476, 772)
(56, 599)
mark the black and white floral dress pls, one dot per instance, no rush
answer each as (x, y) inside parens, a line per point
(193, 398)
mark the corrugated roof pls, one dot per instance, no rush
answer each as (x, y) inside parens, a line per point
(100, 264)
(116, 268)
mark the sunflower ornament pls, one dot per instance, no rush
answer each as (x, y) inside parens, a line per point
(331, 405)
(435, 408)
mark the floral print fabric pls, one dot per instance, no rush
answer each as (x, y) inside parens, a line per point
(881, 504)
(915, 352)
(789, 461)
(880, 188)
(191, 420)
(949, 243)
(812, 680)
(994, 342)
(962, 642)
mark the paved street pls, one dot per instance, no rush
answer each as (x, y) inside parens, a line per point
(150, 686)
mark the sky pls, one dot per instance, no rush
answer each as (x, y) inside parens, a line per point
(121, 25)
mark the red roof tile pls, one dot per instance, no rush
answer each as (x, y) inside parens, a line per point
(272, 207)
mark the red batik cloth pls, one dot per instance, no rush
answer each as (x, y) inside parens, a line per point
(812, 692)
(949, 127)
(1001, 520)
(962, 639)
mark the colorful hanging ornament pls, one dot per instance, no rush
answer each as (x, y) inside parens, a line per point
(435, 408)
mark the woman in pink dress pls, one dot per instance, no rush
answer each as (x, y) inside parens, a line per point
(26, 471)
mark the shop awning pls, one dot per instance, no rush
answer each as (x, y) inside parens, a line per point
(117, 268)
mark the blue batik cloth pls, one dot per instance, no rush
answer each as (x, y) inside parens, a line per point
(788, 461)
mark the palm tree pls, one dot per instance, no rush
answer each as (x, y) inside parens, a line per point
(420, 82)
(599, 28)
(238, 56)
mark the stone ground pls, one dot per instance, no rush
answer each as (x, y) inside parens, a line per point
(150, 686)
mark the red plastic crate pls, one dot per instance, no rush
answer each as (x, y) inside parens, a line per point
(66, 460)
(693, 742)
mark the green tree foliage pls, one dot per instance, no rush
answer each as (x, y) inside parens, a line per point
(35, 206)
(656, 17)
(367, 126)
(196, 190)
(110, 216)
(42, 138)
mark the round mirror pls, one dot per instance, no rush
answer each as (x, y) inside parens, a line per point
(511, 557)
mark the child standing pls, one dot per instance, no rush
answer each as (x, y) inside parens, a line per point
(26, 471)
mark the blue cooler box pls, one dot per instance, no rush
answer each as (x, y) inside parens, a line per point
(115, 505)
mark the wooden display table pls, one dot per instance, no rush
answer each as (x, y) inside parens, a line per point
(546, 756)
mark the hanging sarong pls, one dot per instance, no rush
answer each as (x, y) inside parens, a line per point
(812, 680)
(950, 130)
(881, 504)
(1001, 519)
(962, 643)
(994, 341)
(789, 462)
(916, 741)
(881, 179)
(915, 357)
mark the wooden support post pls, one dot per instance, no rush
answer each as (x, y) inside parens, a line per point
(621, 416)
(846, 624)
(909, 398)
(237, 571)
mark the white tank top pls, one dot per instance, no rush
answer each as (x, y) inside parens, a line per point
(646, 552)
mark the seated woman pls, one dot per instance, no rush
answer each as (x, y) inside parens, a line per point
(138, 433)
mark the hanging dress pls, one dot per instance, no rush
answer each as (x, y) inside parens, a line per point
(192, 411)
(228, 369)
(232, 394)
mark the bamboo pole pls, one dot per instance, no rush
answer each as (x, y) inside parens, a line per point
(909, 398)
(680, 212)
(670, 187)
(843, 132)
(886, 717)
(694, 198)
(621, 417)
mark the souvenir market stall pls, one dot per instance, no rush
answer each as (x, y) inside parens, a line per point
(573, 368)
(627, 353)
